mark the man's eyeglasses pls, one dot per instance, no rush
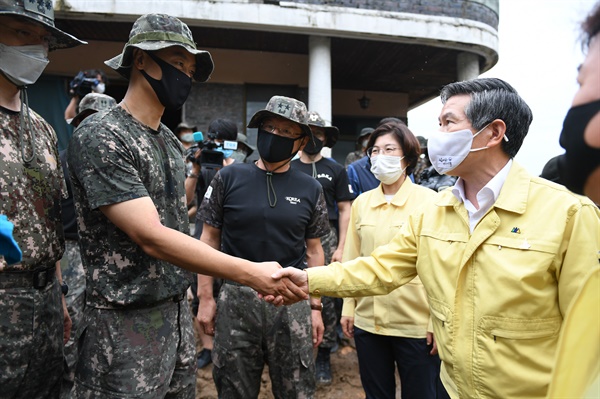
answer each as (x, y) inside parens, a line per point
(281, 131)
(374, 151)
(28, 37)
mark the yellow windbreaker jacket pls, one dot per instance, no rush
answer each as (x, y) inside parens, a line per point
(404, 312)
(497, 296)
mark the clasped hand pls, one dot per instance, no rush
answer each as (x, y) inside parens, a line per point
(286, 286)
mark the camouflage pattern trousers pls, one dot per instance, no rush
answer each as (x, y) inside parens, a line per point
(330, 313)
(249, 333)
(73, 275)
(31, 337)
(144, 352)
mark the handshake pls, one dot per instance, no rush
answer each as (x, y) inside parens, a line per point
(280, 286)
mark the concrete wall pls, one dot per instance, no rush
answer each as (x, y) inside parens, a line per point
(212, 101)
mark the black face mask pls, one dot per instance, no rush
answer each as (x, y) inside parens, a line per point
(313, 147)
(273, 148)
(173, 88)
(580, 159)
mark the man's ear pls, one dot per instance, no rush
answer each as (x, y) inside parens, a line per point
(304, 142)
(498, 128)
(138, 58)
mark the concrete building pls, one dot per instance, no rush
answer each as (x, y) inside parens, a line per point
(353, 61)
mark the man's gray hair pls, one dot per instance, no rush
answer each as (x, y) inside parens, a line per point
(492, 99)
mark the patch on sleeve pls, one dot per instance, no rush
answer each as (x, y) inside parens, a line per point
(350, 188)
(208, 192)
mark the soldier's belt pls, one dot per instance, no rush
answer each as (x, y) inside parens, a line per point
(38, 278)
(133, 306)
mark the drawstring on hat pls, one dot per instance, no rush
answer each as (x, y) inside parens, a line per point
(314, 168)
(22, 117)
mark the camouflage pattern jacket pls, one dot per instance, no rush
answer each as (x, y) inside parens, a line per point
(114, 158)
(30, 193)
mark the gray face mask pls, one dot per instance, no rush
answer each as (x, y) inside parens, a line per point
(239, 155)
(23, 65)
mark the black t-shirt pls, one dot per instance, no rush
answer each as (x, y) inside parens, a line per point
(333, 179)
(69, 218)
(237, 203)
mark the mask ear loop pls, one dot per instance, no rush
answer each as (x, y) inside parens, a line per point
(22, 117)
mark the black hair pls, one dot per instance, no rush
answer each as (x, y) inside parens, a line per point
(93, 73)
(407, 140)
(390, 119)
(225, 129)
(591, 25)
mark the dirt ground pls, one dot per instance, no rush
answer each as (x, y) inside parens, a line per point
(345, 385)
(345, 377)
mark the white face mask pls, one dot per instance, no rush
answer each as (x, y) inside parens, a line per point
(387, 168)
(187, 137)
(23, 65)
(448, 150)
(99, 88)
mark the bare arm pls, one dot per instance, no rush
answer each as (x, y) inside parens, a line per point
(208, 308)
(139, 219)
(191, 181)
(67, 322)
(344, 208)
(71, 110)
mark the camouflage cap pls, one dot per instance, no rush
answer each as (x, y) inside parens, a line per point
(364, 132)
(40, 11)
(332, 133)
(92, 103)
(283, 107)
(153, 32)
(243, 140)
(184, 125)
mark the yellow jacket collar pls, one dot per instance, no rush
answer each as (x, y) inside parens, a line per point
(399, 198)
(512, 198)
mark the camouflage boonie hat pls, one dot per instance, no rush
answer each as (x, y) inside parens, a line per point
(243, 140)
(153, 32)
(92, 103)
(365, 132)
(332, 133)
(284, 107)
(40, 11)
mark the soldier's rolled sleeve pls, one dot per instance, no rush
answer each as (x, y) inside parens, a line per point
(106, 168)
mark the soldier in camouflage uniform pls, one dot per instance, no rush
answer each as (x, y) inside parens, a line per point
(127, 171)
(423, 161)
(34, 322)
(338, 196)
(361, 141)
(263, 211)
(71, 266)
(135, 303)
